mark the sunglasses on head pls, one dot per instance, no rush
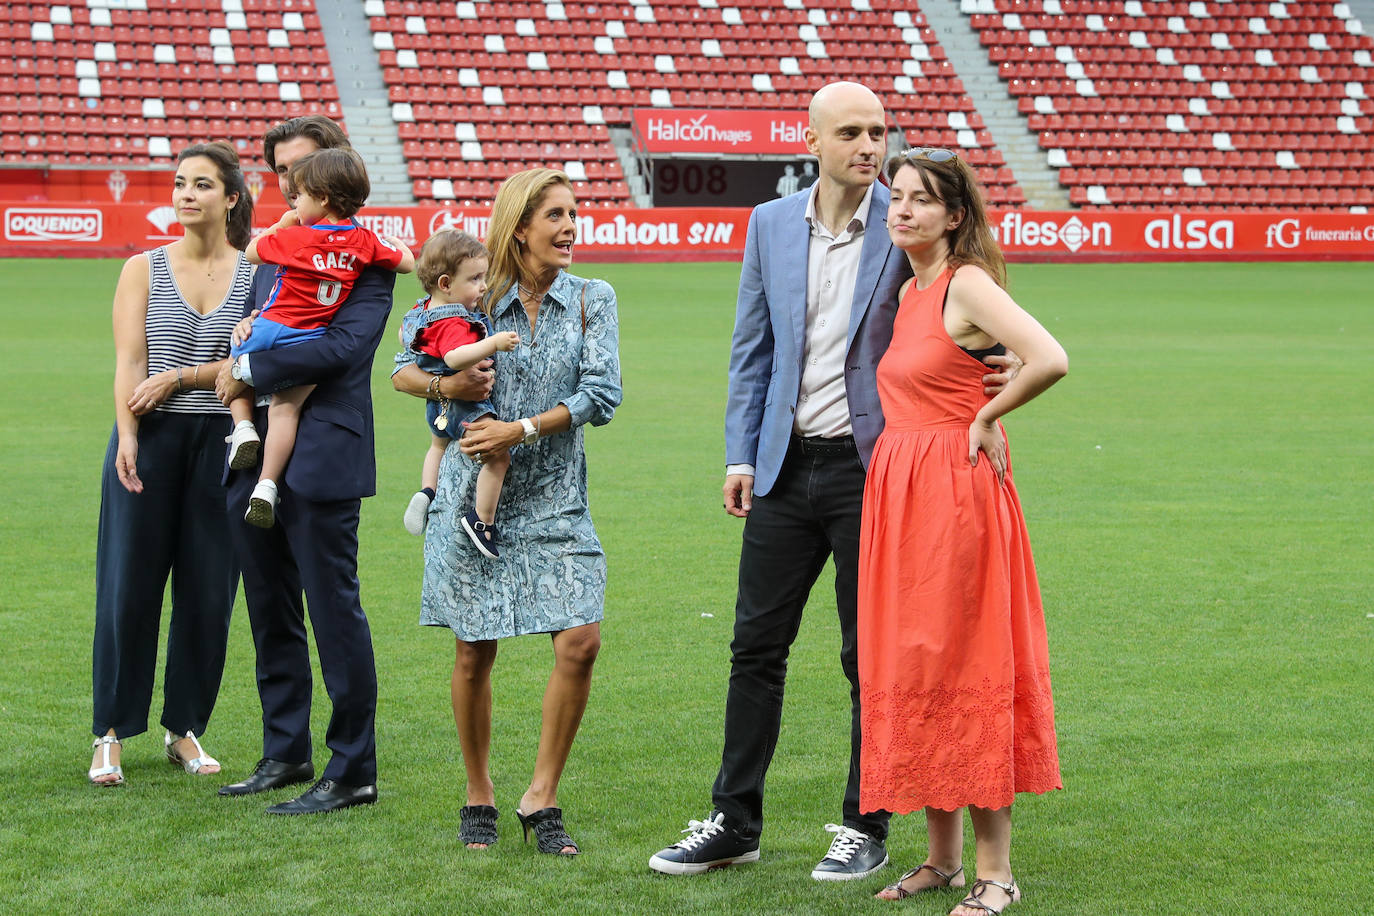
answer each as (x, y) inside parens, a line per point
(933, 153)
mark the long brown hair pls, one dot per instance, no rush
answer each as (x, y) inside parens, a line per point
(516, 200)
(949, 180)
(239, 225)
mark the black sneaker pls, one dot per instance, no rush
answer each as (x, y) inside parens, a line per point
(709, 844)
(484, 536)
(853, 854)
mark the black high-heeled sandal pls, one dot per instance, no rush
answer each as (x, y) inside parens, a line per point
(549, 833)
(477, 824)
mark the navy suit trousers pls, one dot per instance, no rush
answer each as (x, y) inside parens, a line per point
(312, 548)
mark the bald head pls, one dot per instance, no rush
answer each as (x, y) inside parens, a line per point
(835, 98)
(847, 133)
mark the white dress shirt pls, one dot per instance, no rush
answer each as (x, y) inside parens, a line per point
(832, 269)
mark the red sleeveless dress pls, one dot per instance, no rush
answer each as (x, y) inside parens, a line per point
(953, 659)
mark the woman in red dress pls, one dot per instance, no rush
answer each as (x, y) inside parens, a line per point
(953, 665)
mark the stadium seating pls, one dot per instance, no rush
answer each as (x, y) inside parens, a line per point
(1157, 104)
(488, 83)
(131, 81)
(1135, 102)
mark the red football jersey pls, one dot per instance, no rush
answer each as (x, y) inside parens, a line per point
(445, 335)
(316, 268)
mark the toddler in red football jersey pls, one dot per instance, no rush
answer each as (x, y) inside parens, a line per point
(319, 251)
(449, 332)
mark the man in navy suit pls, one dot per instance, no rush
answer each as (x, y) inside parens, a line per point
(313, 548)
(817, 297)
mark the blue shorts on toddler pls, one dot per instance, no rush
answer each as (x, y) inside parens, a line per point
(271, 335)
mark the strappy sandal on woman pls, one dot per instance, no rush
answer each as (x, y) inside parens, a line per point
(898, 891)
(549, 833)
(974, 899)
(108, 774)
(193, 765)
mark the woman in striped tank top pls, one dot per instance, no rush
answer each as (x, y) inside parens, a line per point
(161, 502)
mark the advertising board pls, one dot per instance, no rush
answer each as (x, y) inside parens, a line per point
(718, 233)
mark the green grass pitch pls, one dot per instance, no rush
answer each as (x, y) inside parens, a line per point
(1197, 491)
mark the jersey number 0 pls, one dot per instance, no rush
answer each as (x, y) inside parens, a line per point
(328, 292)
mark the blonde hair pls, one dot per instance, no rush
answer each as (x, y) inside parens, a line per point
(516, 200)
(952, 182)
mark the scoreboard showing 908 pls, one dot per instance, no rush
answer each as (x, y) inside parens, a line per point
(728, 183)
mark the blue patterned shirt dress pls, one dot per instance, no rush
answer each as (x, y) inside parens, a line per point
(551, 574)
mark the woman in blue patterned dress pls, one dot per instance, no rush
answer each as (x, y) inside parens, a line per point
(551, 574)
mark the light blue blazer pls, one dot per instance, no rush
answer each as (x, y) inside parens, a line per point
(770, 332)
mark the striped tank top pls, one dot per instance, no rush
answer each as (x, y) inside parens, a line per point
(178, 335)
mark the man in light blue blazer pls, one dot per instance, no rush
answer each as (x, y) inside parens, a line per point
(817, 297)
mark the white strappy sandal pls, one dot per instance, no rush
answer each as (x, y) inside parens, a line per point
(109, 769)
(196, 763)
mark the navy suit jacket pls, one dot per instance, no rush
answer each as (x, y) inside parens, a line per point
(770, 333)
(334, 457)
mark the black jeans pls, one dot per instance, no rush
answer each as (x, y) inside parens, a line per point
(811, 513)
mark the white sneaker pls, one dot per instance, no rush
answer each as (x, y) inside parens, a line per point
(417, 514)
(244, 445)
(853, 854)
(709, 845)
(262, 505)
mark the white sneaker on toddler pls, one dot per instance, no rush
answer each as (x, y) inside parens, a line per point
(417, 513)
(244, 445)
(262, 505)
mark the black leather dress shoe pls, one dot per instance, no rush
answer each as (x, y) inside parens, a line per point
(271, 774)
(327, 795)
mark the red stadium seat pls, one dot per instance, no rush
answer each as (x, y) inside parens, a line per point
(1121, 128)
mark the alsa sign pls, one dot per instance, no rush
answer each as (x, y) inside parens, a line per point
(719, 132)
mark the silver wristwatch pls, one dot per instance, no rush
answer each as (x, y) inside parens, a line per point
(530, 432)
